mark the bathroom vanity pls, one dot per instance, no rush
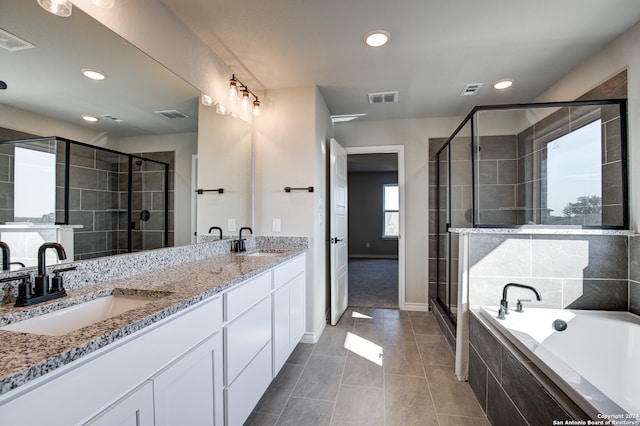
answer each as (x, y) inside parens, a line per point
(202, 347)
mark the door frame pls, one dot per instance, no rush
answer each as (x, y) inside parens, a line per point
(399, 150)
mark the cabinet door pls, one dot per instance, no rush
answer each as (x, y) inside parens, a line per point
(280, 327)
(189, 392)
(297, 309)
(135, 409)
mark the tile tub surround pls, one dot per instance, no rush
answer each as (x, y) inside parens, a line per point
(577, 269)
(183, 281)
(509, 387)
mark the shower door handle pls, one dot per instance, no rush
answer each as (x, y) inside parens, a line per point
(336, 240)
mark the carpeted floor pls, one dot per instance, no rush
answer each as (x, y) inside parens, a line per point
(373, 283)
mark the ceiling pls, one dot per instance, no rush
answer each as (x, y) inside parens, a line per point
(47, 79)
(436, 47)
(372, 163)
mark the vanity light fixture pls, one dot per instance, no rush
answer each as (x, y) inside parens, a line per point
(93, 74)
(61, 8)
(237, 87)
(377, 38)
(503, 84)
(90, 118)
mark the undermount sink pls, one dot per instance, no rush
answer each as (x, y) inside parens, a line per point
(75, 317)
(264, 253)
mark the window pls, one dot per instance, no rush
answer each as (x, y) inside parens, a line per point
(35, 186)
(391, 216)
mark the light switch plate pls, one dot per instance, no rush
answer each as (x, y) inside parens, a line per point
(275, 226)
(231, 225)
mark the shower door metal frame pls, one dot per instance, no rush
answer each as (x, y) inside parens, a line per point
(622, 104)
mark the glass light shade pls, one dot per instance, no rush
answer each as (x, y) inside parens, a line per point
(221, 109)
(246, 101)
(57, 7)
(233, 90)
(256, 108)
(206, 100)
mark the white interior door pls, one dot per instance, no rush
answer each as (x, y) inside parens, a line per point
(339, 227)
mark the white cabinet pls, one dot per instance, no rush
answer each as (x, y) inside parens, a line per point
(206, 365)
(288, 310)
(135, 409)
(189, 391)
(247, 347)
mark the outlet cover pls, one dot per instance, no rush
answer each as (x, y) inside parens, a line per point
(275, 226)
(231, 225)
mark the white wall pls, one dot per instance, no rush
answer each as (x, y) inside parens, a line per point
(224, 161)
(414, 134)
(624, 52)
(289, 140)
(184, 145)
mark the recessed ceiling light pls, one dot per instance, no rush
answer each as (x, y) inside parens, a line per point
(93, 74)
(90, 118)
(377, 38)
(503, 84)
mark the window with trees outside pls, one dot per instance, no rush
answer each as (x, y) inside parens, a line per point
(391, 216)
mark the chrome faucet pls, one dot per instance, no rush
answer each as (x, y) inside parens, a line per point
(218, 228)
(238, 245)
(504, 304)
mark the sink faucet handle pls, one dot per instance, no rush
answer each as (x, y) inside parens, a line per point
(519, 307)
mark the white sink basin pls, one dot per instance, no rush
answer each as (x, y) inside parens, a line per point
(75, 317)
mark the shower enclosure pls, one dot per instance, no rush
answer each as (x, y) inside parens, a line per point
(552, 165)
(116, 202)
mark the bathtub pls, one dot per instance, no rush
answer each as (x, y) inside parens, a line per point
(595, 360)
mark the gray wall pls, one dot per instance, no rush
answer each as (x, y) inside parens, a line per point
(365, 215)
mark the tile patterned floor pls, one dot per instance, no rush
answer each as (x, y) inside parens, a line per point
(326, 384)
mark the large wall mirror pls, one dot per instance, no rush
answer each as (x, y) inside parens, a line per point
(142, 108)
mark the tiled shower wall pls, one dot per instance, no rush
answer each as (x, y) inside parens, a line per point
(570, 271)
(98, 200)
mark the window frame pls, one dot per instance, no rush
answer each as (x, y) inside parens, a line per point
(385, 236)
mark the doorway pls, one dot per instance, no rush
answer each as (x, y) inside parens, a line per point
(376, 221)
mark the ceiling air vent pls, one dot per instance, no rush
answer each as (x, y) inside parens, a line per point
(113, 118)
(470, 89)
(383, 97)
(12, 43)
(172, 114)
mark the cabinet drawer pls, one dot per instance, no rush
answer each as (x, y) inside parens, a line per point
(245, 337)
(239, 299)
(284, 273)
(245, 392)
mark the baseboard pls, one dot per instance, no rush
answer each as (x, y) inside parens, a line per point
(421, 307)
(313, 336)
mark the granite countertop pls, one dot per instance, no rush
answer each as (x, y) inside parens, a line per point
(24, 357)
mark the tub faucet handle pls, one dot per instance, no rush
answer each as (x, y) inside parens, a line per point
(519, 307)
